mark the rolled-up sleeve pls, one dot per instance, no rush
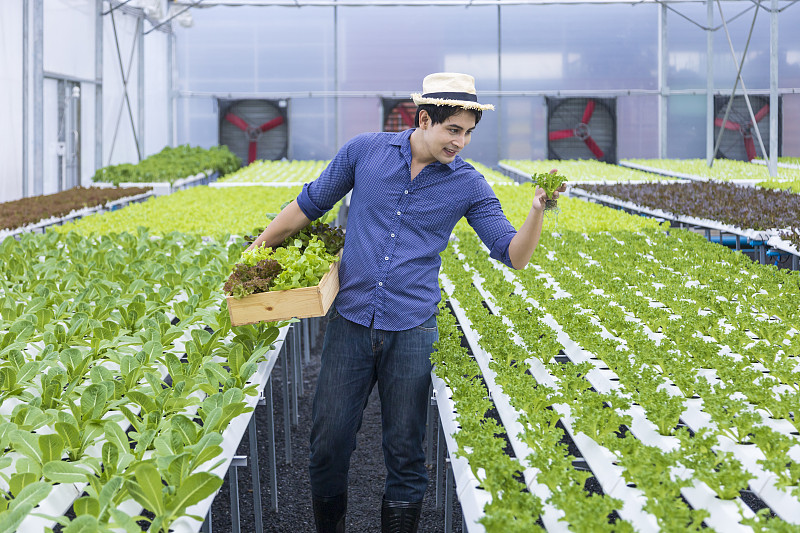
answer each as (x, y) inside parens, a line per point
(319, 196)
(486, 217)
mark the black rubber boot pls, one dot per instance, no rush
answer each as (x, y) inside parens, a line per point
(329, 513)
(400, 517)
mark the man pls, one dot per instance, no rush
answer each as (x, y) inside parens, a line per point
(408, 191)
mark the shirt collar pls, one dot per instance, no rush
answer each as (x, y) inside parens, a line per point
(403, 140)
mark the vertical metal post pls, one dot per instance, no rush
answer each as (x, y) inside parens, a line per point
(738, 242)
(441, 446)
(170, 86)
(448, 498)
(98, 87)
(336, 71)
(140, 89)
(233, 480)
(795, 261)
(306, 347)
(255, 475)
(38, 97)
(774, 144)
(298, 364)
(709, 81)
(287, 416)
(500, 136)
(25, 88)
(429, 425)
(295, 375)
(273, 462)
(663, 69)
(207, 526)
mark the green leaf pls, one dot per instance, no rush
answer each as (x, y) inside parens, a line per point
(87, 505)
(11, 519)
(64, 472)
(51, 446)
(147, 490)
(147, 402)
(185, 427)
(19, 481)
(93, 402)
(27, 444)
(31, 495)
(193, 490)
(85, 523)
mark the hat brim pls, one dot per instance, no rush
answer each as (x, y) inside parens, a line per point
(420, 100)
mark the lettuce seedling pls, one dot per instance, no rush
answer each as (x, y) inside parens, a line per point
(549, 181)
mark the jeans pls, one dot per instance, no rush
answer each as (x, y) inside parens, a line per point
(354, 358)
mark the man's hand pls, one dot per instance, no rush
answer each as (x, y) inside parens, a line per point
(539, 197)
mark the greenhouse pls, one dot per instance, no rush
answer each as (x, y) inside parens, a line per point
(400, 266)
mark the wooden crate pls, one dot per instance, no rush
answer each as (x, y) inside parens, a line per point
(272, 306)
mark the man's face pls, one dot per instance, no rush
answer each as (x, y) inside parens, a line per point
(448, 138)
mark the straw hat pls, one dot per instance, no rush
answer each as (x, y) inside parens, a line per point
(449, 88)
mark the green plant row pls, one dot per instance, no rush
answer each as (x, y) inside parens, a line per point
(33, 209)
(480, 438)
(170, 165)
(721, 169)
(534, 402)
(492, 176)
(106, 333)
(731, 416)
(207, 211)
(276, 172)
(581, 170)
(729, 203)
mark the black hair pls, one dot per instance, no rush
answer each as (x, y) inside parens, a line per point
(440, 113)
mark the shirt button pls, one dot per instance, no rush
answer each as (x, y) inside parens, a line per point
(380, 284)
(406, 192)
(386, 258)
(392, 234)
(398, 212)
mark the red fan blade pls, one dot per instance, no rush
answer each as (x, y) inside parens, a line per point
(728, 125)
(251, 152)
(236, 121)
(750, 148)
(587, 113)
(598, 153)
(764, 111)
(561, 134)
(408, 118)
(274, 123)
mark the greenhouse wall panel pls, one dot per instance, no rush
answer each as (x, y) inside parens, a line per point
(51, 151)
(523, 129)
(791, 128)
(579, 47)
(198, 122)
(420, 46)
(686, 126)
(250, 49)
(11, 99)
(69, 37)
(312, 131)
(117, 133)
(156, 97)
(637, 126)
(686, 45)
(789, 48)
(87, 133)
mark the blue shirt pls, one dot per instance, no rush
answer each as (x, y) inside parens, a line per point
(396, 227)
